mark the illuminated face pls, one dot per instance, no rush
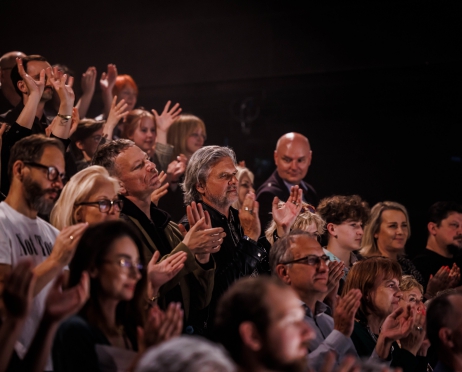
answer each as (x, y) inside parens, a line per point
(116, 280)
(39, 192)
(90, 144)
(450, 230)
(285, 347)
(129, 95)
(349, 234)
(412, 297)
(245, 186)
(385, 297)
(195, 141)
(292, 159)
(103, 190)
(220, 189)
(393, 232)
(145, 134)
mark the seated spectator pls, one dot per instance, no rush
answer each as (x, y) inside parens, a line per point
(187, 134)
(106, 327)
(261, 324)
(186, 354)
(380, 323)
(386, 235)
(444, 330)
(299, 261)
(245, 179)
(9, 98)
(442, 257)
(345, 216)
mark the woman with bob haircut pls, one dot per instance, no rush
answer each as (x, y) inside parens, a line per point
(91, 196)
(187, 134)
(245, 179)
(381, 326)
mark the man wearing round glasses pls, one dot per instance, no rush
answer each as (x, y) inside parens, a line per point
(299, 261)
(36, 171)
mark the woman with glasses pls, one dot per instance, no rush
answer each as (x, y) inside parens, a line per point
(112, 254)
(90, 196)
(383, 328)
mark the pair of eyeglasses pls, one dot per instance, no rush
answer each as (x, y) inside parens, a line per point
(52, 172)
(105, 205)
(127, 264)
(311, 260)
(97, 138)
(308, 208)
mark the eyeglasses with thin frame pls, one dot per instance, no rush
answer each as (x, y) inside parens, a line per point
(52, 172)
(311, 260)
(105, 205)
(127, 264)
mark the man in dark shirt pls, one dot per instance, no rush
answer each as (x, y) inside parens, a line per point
(9, 97)
(293, 158)
(444, 242)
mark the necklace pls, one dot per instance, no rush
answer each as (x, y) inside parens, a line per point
(374, 337)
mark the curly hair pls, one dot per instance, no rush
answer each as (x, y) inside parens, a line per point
(340, 208)
(107, 153)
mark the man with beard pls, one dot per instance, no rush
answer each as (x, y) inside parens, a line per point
(36, 173)
(444, 242)
(262, 325)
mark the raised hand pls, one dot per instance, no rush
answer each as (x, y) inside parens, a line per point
(345, 311)
(160, 273)
(201, 242)
(438, 282)
(454, 276)
(168, 116)
(108, 79)
(18, 290)
(413, 341)
(62, 84)
(176, 168)
(34, 87)
(118, 111)
(195, 212)
(75, 119)
(88, 81)
(398, 324)
(248, 216)
(161, 191)
(287, 214)
(61, 304)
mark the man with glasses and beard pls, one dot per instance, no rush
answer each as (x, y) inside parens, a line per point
(35, 170)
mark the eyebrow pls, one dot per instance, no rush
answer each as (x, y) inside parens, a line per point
(123, 255)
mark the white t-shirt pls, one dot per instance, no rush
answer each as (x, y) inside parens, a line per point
(21, 237)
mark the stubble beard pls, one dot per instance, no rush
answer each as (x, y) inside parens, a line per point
(35, 197)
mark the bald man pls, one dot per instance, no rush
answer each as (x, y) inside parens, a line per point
(9, 97)
(293, 158)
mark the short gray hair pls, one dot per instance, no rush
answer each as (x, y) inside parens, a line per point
(199, 167)
(186, 354)
(280, 251)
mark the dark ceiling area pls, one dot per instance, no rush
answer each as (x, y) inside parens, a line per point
(375, 86)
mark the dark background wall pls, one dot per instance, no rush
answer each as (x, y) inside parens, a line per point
(376, 86)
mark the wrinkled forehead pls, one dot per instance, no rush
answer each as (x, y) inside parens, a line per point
(304, 245)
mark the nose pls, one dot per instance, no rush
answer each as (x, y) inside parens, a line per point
(323, 265)
(150, 166)
(398, 294)
(233, 180)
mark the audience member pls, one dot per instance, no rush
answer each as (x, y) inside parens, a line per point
(444, 322)
(105, 330)
(293, 158)
(186, 354)
(261, 323)
(299, 261)
(380, 323)
(345, 216)
(245, 179)
(9, 97)
(138, 178)
(36, 169)
(386, 235)
(187, 134)
(442, 256)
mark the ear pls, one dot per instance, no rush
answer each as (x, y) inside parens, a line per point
(283, 273)
(22, 86)
(249, 335)
(331, 229)
(93, 272)
(275, 157)
(122, 190)
(310, 157)
(200, 188)
(79, 145)
(445, 335)
(77, 215)
(432, 228)
(18, 170)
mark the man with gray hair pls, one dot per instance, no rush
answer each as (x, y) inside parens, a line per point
(210, 181)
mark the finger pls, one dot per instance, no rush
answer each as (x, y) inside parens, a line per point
(42, 77)
(155, 257)
(177, 258)
(197, 225)
(155, 113)
(167, 105)
(208, 221)
(20, 66)
(70, 81)
(200, 210)
(195, 212)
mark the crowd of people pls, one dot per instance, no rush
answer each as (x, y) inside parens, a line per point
(129, 244)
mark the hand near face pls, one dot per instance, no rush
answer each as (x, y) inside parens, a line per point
(161, 191)
(287, 214)
(118, 111)
(66, 243)
(413, 341)
(167, 117)
(344, 315)
(177, 168)
(160, 273)
(62, 304)
(62, 84)
(18, 290)
(336, 271)
(34, 87)
(398, 324)
(248, 216)
(108, 78)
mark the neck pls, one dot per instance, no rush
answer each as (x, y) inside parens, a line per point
(340, 252)
(222, 209)
(86, 157)
(108, 310)
(374, 323)
(143, 204)
(442, 250)
(392, 255)
(310, 299)
(11, 95)
(16, 200)
(40, 106)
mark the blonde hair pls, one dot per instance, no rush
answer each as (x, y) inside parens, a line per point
(369, 242)
(408, 282)
(180, 130)
(76, 191)
(241, 172)
(133, 121)
(302, 221)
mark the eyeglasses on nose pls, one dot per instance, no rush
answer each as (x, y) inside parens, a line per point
(52, 172)
(311, 260)
(105, 205)
(127, 264)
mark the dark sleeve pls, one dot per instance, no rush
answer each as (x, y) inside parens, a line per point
(403, 359)
(13, 135)
(74, 347)
(248, 259)
(66, 142)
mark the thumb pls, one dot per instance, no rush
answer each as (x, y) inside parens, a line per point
(197, 225)
(155, 113)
